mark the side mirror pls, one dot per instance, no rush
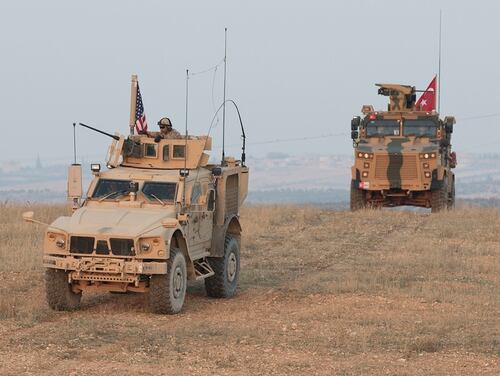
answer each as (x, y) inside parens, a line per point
(75, 182)
(28, 216)
(354, 135)
(355, 122)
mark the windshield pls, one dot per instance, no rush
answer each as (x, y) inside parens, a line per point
(111, 188)
(382, 128)
(419, 128)
(159, 191)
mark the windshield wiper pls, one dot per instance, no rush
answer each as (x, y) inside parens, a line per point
(156, 197)
(119, 193)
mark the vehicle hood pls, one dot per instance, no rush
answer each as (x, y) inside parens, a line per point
(398, 145)
(123, 222)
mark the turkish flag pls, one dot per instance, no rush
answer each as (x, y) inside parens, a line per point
(427, 101)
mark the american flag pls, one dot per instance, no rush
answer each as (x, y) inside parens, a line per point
(141, 124)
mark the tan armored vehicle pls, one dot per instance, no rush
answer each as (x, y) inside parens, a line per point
(159, 216)
(402, 156)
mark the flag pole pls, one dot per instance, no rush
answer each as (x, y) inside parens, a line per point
(133, 102)
(439, 62)
(224, 100)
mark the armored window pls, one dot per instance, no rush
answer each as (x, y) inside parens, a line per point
(195, 194)
(155, 191)
(150, 150)
(165, 153)
(179, 151)
(382, 128)
(211, 200)
(111, 188)
(420, 128)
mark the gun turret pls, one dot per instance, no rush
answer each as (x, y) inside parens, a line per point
(402, 97)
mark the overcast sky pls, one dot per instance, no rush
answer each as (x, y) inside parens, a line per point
(295, 68)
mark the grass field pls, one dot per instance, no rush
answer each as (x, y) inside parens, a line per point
(321, 292)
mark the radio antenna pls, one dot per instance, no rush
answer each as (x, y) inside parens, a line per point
(74, 143)
(224, 99)
(439, 62)
(185, 142)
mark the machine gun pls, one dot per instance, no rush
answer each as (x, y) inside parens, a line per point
(402, 97)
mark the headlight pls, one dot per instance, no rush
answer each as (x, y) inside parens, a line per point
(148, 245)
(60, 243)
(365, 155)
(427, 155)
(55, 241)
(145, 247)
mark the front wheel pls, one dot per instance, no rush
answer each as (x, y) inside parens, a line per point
(224, 282)
(358, 200)
(439, 198)
(168, 291)
(60, 295)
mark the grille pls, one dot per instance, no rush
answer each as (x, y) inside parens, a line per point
(102, 247)
(81, 244)
(122, 247)
(232, 194)
(395, 167)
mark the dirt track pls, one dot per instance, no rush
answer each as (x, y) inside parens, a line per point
(321, 293)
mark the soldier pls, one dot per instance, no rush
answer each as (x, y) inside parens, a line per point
(166, 130)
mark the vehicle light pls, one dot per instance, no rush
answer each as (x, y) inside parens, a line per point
(426, 165)
(60, 243)
(367, 155)
(433, 155)
(360, 155)
(426, 156)
(427, 174)
(366, 165)
(145, 247)
(373, 117)
(365, 174)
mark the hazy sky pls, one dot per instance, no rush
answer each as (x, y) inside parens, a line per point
(295, 68)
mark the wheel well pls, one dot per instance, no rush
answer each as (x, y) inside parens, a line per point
(234, 227)
(178, 241)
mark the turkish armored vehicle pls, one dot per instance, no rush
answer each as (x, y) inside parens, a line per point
(402, 156)
(159, 216)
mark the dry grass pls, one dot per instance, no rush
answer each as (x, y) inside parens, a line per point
(322, 292)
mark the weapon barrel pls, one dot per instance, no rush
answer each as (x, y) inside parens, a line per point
(99, 131)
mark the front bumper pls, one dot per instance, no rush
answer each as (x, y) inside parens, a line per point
(104, 269)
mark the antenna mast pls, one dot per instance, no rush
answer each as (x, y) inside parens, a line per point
(439, 62)
(74, 143)
(224, 100)
(185, 142)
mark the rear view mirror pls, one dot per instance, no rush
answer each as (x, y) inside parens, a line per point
(354, 135)
(355, 123)
(75, 181)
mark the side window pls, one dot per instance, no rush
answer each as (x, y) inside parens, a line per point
(150, 150)
(211, 200)
(179, 151)
(165, 153)
(195, 194)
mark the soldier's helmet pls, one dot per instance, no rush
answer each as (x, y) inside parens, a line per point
(164, 122)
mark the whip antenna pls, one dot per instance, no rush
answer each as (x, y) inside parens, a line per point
(185, 142)
(439, 62)
(224, 100)
(74, 143)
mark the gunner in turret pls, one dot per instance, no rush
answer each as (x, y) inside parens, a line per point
(166, 130)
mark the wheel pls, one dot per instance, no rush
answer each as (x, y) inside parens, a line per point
(60, 296)
(439, 198)
(451, 196)
(358, 200)
(168, 291)
(224, 282)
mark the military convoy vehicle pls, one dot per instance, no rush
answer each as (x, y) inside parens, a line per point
(160, 215)
(402, 156)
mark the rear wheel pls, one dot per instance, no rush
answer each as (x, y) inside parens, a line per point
(451, 196)
(168, 291)
(439, 198)
(224, 282)
(60, 295)
(358, 200)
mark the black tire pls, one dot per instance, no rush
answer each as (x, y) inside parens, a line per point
(224, 282)
(59, 294)
(358, 200)
(439, 198)
(168, 291)
(451, 196)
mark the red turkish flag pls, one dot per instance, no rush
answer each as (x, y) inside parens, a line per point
(427, 101)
